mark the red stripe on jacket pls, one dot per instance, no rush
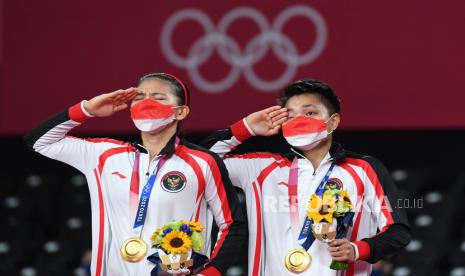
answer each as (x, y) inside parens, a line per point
(372, 175)
(110, 152)
(101, 234)
(257, 191)
(102, 159)
(363, 254)
(198, 172)
(221, 194)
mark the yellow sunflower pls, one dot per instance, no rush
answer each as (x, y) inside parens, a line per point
(176, 242)
(321, 208)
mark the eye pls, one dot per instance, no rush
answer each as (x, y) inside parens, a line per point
(159, 98)
(138, 98)
(310, 113)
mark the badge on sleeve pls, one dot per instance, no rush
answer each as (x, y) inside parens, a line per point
(173, 182)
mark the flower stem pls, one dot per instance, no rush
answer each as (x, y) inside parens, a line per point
(337, 265)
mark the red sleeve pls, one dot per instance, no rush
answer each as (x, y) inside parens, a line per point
(76, 113)
(240, 131)
(210, 271)
(363, 250)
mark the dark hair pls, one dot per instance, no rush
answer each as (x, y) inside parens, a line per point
(180, 89)
(309, 86)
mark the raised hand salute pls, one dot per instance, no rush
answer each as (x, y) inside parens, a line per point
(107, 104)
(268, 121)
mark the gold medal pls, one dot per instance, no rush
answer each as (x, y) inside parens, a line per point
(133, 249)
(297, 260)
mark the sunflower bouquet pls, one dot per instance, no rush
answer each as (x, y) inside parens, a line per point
(331, 214)
(178, 244)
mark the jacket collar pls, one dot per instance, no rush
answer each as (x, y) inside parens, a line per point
(336, 151)
(168, 149)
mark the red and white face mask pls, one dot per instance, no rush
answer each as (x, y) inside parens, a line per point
(149, 115)
(305, 133)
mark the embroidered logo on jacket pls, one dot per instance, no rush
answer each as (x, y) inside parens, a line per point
(333, 184)
(173, 182)
(122, 176)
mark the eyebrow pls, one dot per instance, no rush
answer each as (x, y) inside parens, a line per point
(151, 94)
(157, 93)
(303, 106)
(309, 105)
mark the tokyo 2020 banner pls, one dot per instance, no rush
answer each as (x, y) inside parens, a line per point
(394, 64)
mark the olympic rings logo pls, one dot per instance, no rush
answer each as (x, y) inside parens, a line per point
(243, 60)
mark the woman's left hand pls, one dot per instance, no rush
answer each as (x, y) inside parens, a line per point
(342, 250)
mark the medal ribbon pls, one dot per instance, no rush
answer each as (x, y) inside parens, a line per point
(304, 238)
(146, 190)
(134, 188)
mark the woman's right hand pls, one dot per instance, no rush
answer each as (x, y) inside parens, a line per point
(268, 121)
(109, 103)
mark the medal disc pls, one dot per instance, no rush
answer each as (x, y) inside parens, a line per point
(297, 260)
(133, 249)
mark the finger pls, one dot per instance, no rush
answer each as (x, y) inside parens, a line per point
(271, 109)
(279, 116)
(115, 93)
(280, 122)
(128, 96)
(333, 249)
(337, 254)
(341, 259)
(337, 242)
(133, 92)
(130, 89)
(132, 95)
(340, 248)
(114, 99)
(275, 130)
(119, 99)
(333, 243)
(269, 121)
(278, 112)
(120, 107)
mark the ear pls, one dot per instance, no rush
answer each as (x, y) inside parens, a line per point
(334, 122)
(181, 112)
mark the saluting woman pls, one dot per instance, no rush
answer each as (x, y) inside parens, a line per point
(137, 187)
